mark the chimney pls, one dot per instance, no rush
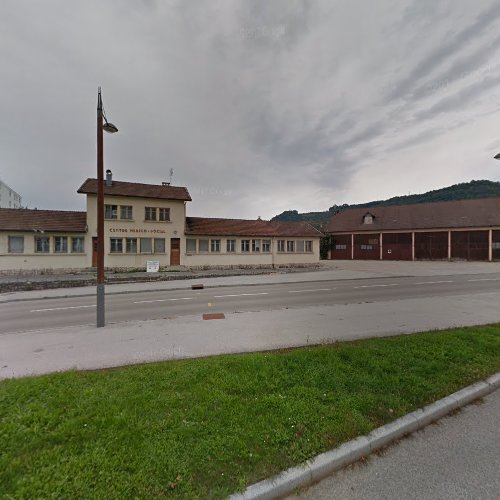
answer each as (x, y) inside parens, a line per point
(109, 178)
(165, 184)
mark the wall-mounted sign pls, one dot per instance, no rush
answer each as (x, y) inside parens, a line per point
(152, 266)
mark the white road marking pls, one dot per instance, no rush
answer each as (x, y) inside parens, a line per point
(316, 290)
(485, 279)
(432, 282)
(161, 300)
(240, 295)
(60, 308)
(374, 286)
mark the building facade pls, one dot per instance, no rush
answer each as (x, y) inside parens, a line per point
(8, 197)
(452, 230)
(145, 222)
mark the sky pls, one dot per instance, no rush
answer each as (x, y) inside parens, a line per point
(258, 106)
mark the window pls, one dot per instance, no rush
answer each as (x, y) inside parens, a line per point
(42, 244)
(309, 246)
(215, 246)
(130, 245)
(281, 245)
(368, 219)
(164, 214)
(77, 244)
(341, 247)
(16, 244)
(300, 246)
(495, 245)
(203, 246)
(61, 244)
(116, 245)
(159, 245)
(146, 245)
(111, 211)
(266, 246)
(231, 246)
(126, 212)
(245, 245)
(366, 247)
(150, 213)
(290, 246)
(256, 246)
(191, 245)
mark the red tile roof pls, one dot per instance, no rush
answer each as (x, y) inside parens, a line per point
(240, 227)
(21, 219)
(137, 190)
(483, 212)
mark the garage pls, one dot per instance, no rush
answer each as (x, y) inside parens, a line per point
(396, 246)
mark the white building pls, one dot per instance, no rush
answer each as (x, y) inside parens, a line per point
(148, 222)
(8, 197)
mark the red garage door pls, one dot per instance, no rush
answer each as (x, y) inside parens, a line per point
(396, 246)
(431, 246)
(366, 246)
(341, 246)
(469, 245)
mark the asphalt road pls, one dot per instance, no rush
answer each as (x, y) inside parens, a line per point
(457, 458)
(30, 315)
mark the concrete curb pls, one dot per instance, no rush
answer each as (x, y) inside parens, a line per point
(323, 465)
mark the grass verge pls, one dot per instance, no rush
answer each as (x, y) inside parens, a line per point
(208, 427)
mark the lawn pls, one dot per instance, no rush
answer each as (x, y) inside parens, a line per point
(206, 428)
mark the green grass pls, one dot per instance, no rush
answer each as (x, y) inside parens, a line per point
(208, 427)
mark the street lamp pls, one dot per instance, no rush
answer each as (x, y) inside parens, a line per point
(497, 156)
(108, 127)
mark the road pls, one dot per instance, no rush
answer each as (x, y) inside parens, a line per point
(456, 459)
(27, 315)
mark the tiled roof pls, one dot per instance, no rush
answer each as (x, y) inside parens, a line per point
(21, 219)
(137, 190)
(483, 212)
(240, 227)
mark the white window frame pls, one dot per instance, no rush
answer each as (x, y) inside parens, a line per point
(60, 244)
(266, 246)
(126, 212)
(256, 246)
(231, 246)
(205, 242)
(149, 212)
(156, 243)
(46, 246)
(195, 245)
(18, 238)
(76, 247)
(164, 214)
(145, 243)
(111, 212)
(215, 246)
(245, 246)
(130, 245)
(116, 245)
(290, 246)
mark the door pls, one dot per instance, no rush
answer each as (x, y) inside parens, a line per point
(94, 251)
(175, 251)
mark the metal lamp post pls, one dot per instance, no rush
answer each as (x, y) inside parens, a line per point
(102, 124)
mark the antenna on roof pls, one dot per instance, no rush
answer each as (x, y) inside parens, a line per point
(171, 175)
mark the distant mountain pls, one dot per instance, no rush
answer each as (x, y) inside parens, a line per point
(463, 191)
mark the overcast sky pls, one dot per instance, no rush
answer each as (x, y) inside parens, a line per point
(258, 106)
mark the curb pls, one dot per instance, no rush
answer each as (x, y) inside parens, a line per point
(323, 465)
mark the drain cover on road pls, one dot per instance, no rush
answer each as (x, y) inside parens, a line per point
(214, 316)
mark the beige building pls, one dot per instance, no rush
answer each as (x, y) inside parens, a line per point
(8, 197)
(147, 222)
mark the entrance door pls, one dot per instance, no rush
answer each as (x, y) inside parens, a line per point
(175, 251)
(94, 251)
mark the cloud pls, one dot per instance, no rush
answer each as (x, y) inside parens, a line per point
(257, 106)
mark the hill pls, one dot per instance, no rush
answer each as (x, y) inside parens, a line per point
(463, 191)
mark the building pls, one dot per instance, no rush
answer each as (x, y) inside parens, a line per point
(450, 230)
(146, 222)
(8, 197)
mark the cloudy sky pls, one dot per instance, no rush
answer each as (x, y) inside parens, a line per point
(258, 106)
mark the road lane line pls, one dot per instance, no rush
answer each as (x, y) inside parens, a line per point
(161, 300)
(432, 282)
(60, 308)
(485, 279)
(316, 290)
(240, 295)
(375, 286)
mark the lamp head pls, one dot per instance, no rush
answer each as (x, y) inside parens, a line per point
(497, 156)
(109, 127)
